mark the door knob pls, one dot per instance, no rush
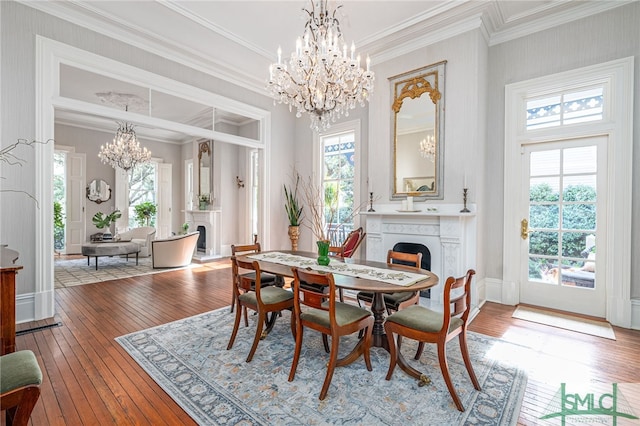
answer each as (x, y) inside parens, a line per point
(524, 229)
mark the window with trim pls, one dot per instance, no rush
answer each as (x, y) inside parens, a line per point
(142, 189)
(338, 174)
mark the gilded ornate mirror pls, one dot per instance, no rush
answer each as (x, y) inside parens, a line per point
(204, 168)
(98, 191)
(418, 133)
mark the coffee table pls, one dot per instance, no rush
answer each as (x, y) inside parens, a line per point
(116, 248)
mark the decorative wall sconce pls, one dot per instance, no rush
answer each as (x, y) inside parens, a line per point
(239, 182)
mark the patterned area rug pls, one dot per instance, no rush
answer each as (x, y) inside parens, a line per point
(189, 360)
(68, 273)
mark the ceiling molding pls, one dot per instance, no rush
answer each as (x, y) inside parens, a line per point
(79, 14)
(579, 10)
(410, 42)
(99, 124)
(176, 7)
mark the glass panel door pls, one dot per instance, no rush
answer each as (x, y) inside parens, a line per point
(564, 189)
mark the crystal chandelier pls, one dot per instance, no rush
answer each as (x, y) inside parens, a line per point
(125, 151)
(321, 78)
(428, 148)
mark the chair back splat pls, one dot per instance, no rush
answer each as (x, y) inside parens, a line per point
(399, 300)
(267, 279)
(428, 326)
(250, 294)
(323, 313)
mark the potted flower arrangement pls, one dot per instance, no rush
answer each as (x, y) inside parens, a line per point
(203, 201)
(294, 213)
(101, 221)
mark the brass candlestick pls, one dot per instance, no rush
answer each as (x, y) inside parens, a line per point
(371, 202)
(464, 198)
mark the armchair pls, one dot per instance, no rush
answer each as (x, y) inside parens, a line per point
(174, 252)
(143, 236)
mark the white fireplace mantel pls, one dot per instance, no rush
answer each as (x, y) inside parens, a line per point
(449, 235)
(210, 220)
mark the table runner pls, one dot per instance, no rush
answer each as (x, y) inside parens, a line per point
(395, 277)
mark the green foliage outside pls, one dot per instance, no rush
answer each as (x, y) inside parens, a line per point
(578, 221)
(58, 226)
(145, 213)
(338, 194)
(142, 189)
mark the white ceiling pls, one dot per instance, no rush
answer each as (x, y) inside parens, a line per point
(236, 40)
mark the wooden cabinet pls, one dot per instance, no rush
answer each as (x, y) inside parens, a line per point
(8, 308)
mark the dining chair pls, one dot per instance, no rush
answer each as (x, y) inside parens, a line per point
(396, 301)
(347, 249)
(349, 245)
(428, 326)
(263, 300)
(267, 279)
(319, 310)
(20, 380)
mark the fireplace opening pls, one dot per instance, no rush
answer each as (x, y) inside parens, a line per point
(202, 239)
(415, 248)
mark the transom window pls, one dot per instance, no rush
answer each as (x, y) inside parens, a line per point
(565, 108)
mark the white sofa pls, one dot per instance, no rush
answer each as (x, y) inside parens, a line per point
(142, 235)
(175, 251)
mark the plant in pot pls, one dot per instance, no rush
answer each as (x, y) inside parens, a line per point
(144, 213)
(101, 221)
(294, 213)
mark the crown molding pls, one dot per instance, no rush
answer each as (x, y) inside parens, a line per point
(548, 20)
(409, 42)
(81, 14)
(176, 7)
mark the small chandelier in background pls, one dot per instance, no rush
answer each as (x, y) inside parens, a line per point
(125, 151)
(321, 78)
(428, 148)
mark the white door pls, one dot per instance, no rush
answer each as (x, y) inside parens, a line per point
(75, 208)
(163, 192)
(563, 225)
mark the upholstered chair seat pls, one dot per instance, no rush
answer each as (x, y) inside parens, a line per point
(20, 380)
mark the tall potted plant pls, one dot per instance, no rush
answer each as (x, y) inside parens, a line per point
(294, 213)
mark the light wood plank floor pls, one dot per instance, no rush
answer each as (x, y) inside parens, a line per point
(89, 379)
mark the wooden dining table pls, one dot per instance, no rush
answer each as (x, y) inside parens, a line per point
(346, 282)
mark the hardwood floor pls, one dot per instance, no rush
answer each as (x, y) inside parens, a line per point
(89, 379)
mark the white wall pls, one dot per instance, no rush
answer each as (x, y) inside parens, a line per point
(597, 39)
(18, 29)
(88, 142)
(464, 137)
